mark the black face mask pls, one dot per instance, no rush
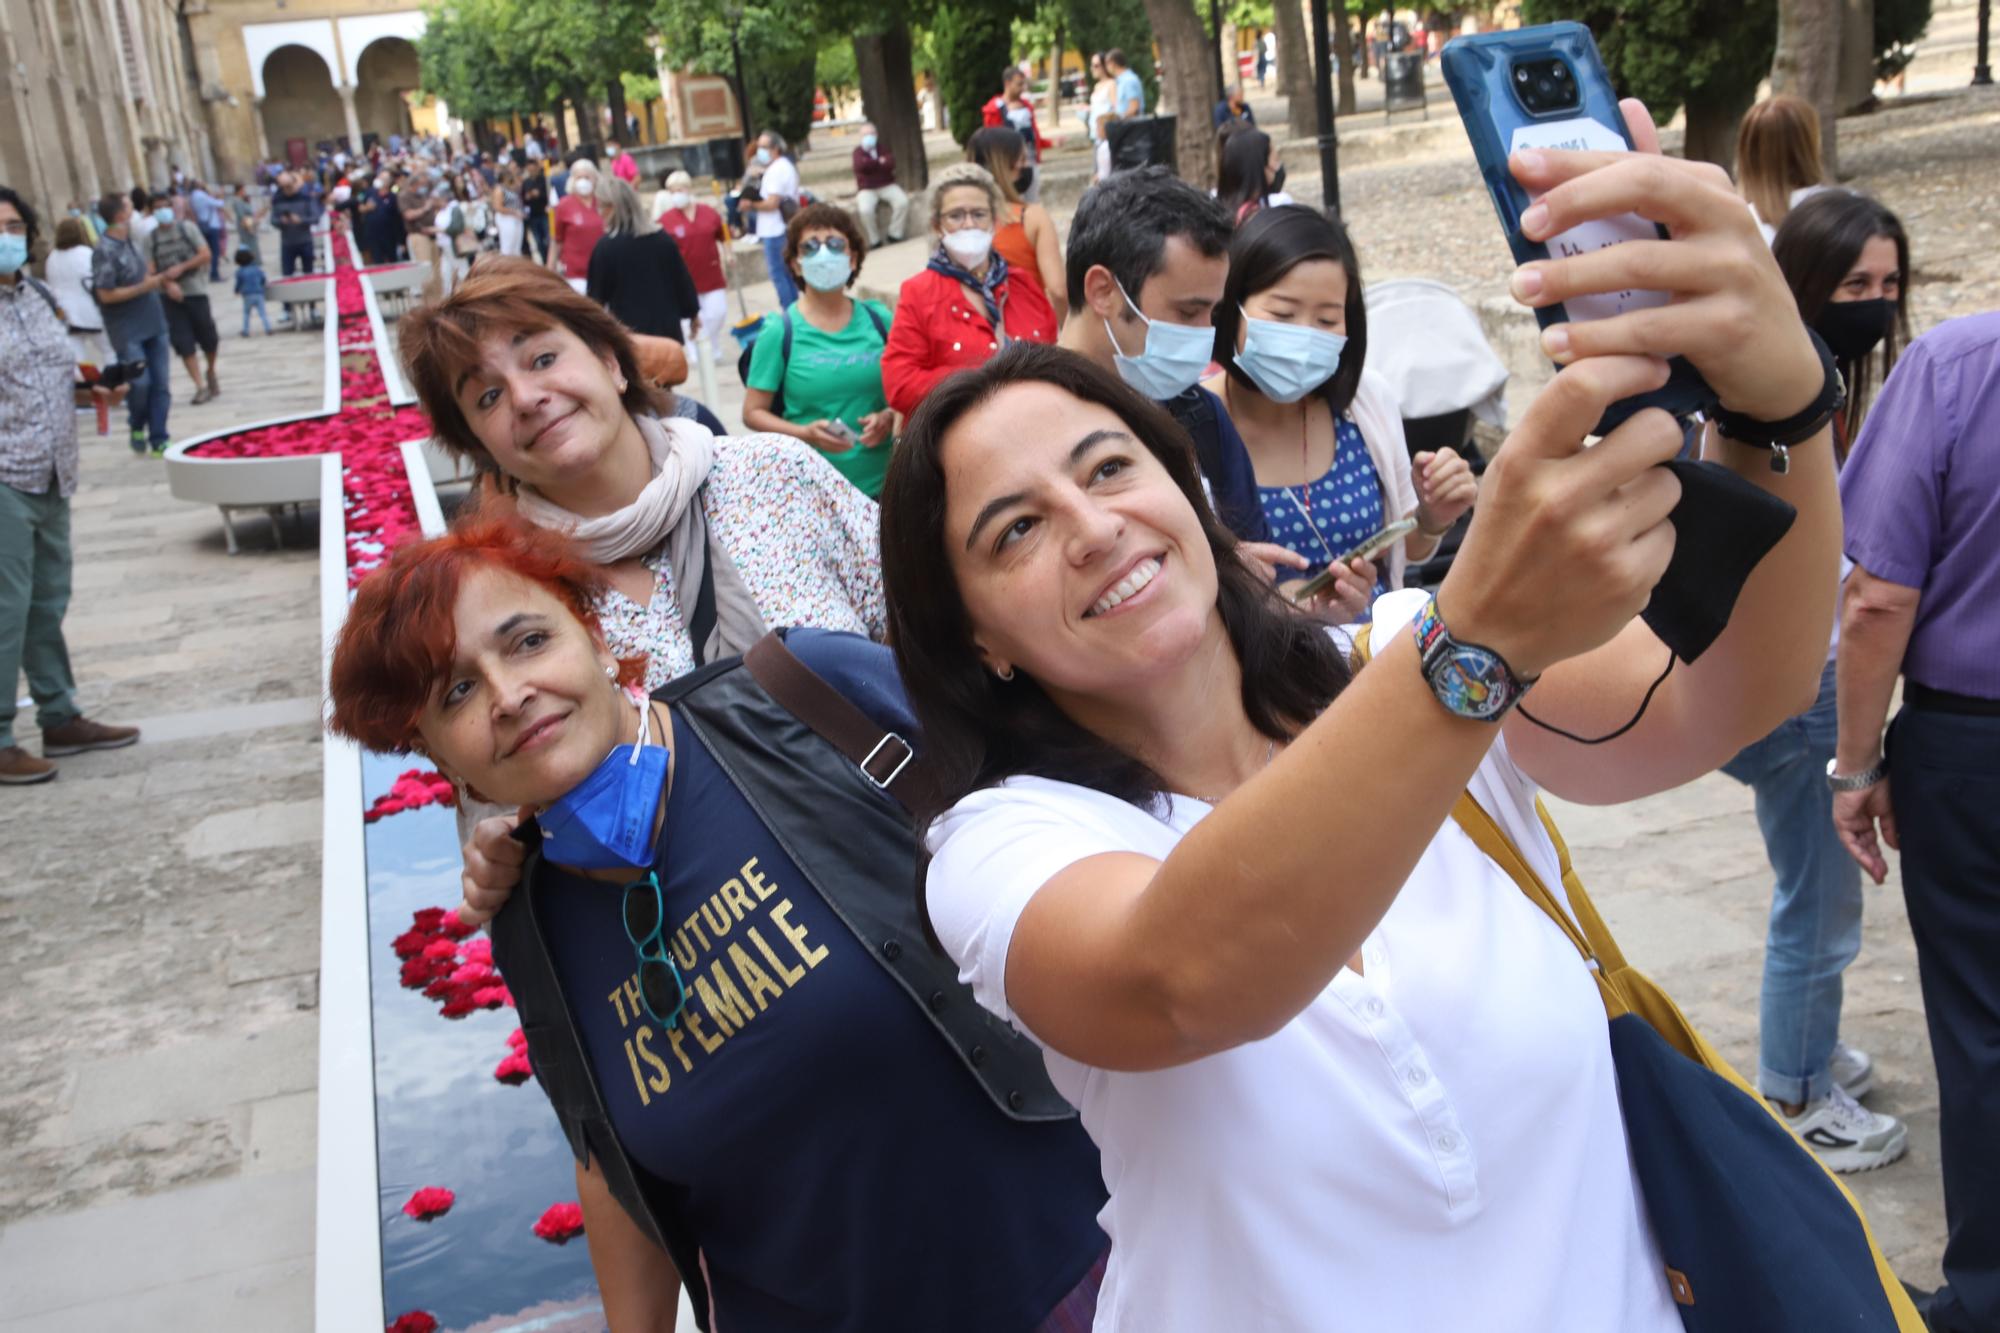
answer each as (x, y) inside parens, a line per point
(1724, 526)
(1852, 329)
(1024, 180)
(1277, 181)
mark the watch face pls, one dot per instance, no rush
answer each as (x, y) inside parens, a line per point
(1472, 682)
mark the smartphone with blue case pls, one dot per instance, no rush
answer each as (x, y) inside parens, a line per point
(1545, 87)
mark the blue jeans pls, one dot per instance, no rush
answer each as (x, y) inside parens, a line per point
(255, 303)
(1815, 929)
(781, 277)
(148, 397)
(214, 238)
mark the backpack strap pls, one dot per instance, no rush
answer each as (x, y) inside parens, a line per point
(48, 296)
(884, 758)
(875, 318)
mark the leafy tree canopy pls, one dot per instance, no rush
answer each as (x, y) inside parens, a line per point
(1665, 52)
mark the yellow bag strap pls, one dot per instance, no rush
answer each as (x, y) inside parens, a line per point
(1586, 930)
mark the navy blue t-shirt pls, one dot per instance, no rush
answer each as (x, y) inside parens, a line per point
(842, 1169)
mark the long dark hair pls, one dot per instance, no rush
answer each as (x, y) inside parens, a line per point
(1266, 248)
(1818, 244)
(1244, 154)
(1001, 149)
(979, 730)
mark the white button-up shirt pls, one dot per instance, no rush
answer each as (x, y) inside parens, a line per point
(1434, 1143)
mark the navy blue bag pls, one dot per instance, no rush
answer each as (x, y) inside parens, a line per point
(1756, 1234)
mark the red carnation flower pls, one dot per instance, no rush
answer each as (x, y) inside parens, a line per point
(458, 1006)
(427, 918)
(518, 1039)
(491, 997)
(515, 1069)
(429, 1202)
(410, 943)
(413, 1321)
(560, 1223)
(441, 948)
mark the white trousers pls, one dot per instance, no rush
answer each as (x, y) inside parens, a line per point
(714, 323)
(511, 232)
(898, 200)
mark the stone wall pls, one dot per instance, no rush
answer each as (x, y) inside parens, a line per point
(99, 96)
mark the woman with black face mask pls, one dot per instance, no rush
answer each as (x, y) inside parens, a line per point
(1847, 261)
(1250, 175)
(1026, 237)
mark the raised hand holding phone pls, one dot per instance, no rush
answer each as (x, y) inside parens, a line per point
(1729, 312)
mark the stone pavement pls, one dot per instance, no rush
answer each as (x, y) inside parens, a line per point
(159, 910)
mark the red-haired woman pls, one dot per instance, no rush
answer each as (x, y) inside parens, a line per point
(805, 1125)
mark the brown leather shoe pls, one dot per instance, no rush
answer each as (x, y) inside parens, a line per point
(18, 768)
(74, 737)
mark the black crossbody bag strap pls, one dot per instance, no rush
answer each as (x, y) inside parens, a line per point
(885, 758)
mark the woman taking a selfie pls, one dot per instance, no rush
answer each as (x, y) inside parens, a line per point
(767, 1110)
(1334, 1058)
(1324, 435)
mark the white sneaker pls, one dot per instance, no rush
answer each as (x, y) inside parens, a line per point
(1847, 1135)
(1853, 1070)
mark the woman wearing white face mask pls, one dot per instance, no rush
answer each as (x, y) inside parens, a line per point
(1325, 437)
(703, 238)
(967, 303)
(576, 226)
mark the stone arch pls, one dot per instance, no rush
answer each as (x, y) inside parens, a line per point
(386, 73)
(299, 100)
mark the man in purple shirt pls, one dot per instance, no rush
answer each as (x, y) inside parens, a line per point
(1921, 496)
(875, 176)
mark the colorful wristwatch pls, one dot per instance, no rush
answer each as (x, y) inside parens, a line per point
(1469, 679)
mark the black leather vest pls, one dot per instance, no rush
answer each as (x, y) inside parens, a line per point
(855, 846)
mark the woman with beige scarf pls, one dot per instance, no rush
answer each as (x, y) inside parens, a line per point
(706, 541)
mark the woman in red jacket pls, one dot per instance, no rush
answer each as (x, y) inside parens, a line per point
(965, 306)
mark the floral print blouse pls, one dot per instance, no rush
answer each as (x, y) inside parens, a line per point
(805, 540)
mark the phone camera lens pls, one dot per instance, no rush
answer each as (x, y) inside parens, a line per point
(1520, 76)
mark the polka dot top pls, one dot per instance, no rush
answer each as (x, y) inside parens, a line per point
(1333, 513)
(805, 540)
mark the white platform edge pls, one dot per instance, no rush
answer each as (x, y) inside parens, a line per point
(347, 1269)
(400, 394)
(423, 487)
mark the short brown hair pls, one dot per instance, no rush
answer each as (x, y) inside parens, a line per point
(440, 341)
(826, 217)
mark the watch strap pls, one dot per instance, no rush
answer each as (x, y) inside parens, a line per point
(1469, 679)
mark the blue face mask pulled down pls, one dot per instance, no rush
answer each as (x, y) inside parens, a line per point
(13, 252)
(1288, 361)
(606, 822)
(1173, 359)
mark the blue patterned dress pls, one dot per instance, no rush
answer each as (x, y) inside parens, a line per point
(1333, 513)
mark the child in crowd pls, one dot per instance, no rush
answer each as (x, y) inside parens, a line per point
(250, 286)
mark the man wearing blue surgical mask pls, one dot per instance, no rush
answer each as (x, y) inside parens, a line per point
(1148, 255)
(38, 475)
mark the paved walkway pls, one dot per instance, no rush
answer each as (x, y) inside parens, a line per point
(159, 905)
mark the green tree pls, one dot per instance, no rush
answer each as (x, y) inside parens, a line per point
(780, 41)
(1899, 26)
(1706, 55)
(974, 40)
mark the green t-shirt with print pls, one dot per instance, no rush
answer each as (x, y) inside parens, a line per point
(831, 376)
